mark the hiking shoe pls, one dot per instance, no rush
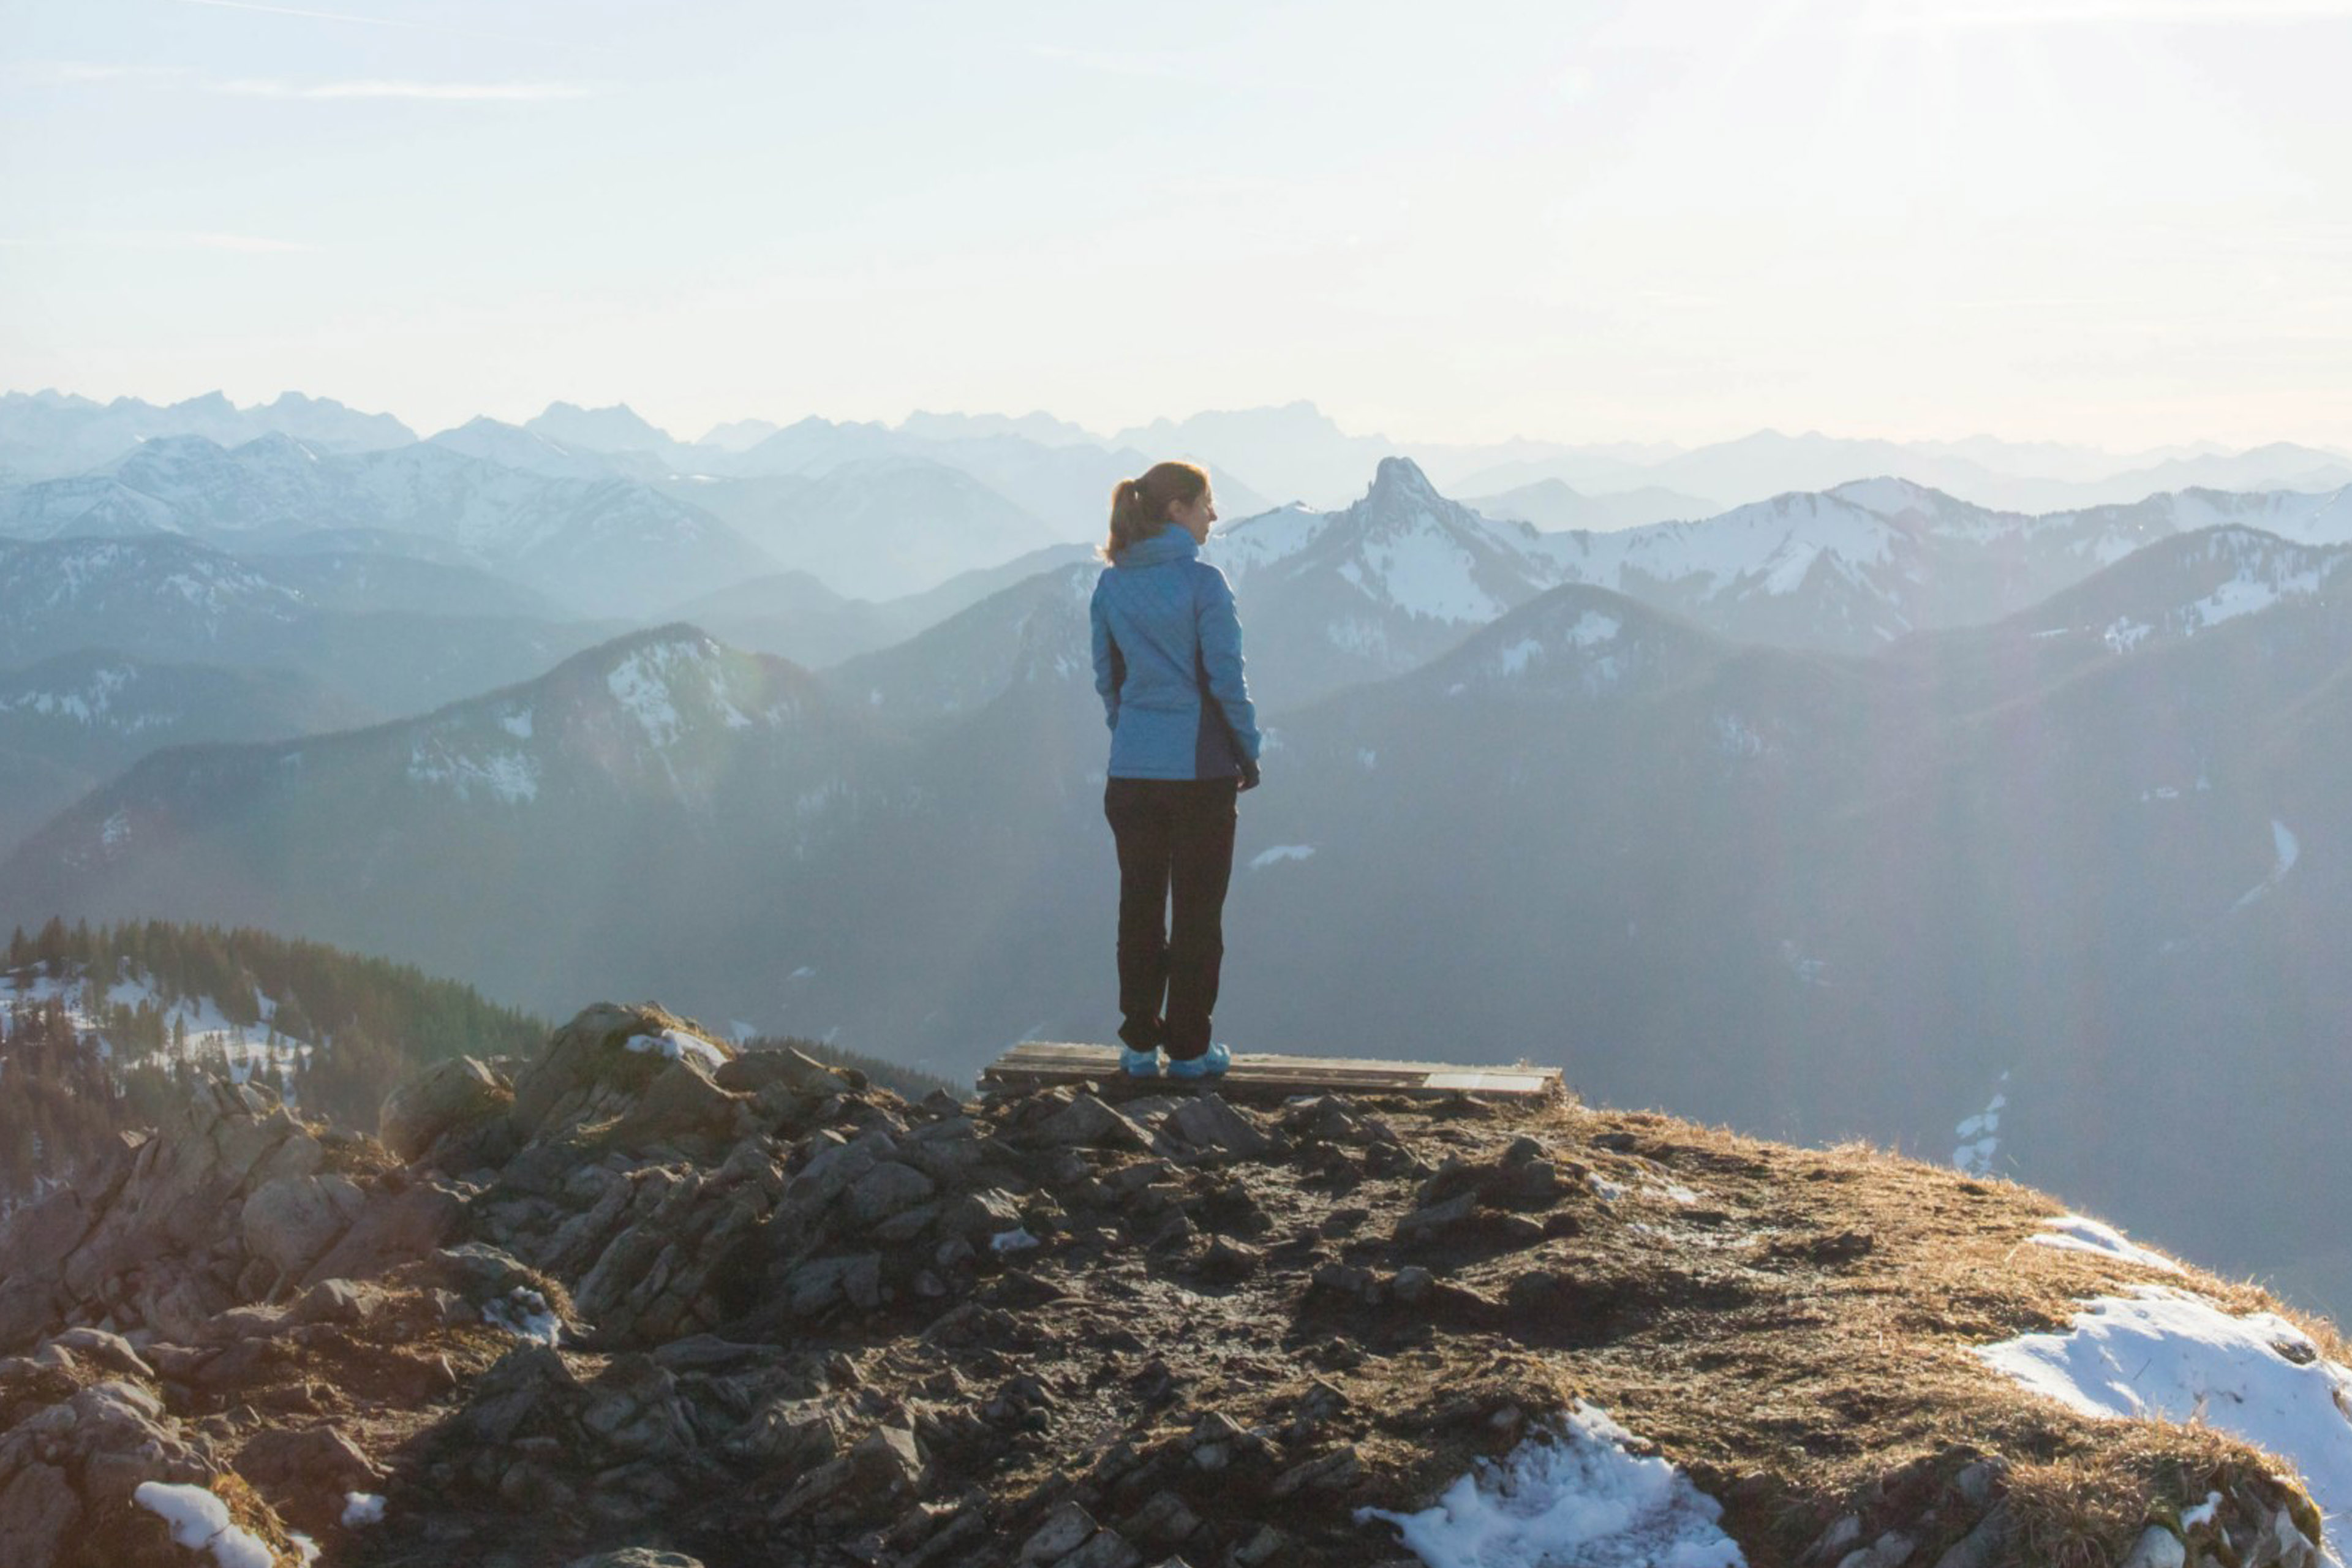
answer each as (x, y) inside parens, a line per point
(1139, 1064)
(1210, 1063)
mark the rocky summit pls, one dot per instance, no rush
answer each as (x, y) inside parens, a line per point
(642, 1300)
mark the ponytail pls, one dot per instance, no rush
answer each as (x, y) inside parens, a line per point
(1138, 508)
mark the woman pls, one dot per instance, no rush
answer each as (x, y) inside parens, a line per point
(1184, 742)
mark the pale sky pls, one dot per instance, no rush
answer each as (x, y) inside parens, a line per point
(2126, 222)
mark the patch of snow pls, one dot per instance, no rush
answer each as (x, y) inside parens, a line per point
(1610, 1191)
(524, 1313)
(1574, 1495)
(677, 1046)
(1017, 1240)
(2079, 1233)
(1811, 971)
(116, 831)
(200, 1521)
(1977, 1144)
(2286, 849)
(517, 723)
(1266, 858)
(1423, 572)
(1514, 659)
(1367, 757)
(2169, 1354)
(2126, 634)
(362, 1508)
(508, 776)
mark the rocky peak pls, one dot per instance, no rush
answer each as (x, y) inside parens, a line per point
(1399, 485)
(642, 1293)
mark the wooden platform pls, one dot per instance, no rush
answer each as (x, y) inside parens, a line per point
(1254, 1076)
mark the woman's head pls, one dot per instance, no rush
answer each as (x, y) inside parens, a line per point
(1141, 508)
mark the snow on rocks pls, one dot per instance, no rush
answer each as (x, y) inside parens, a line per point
(677, 1045)
(1576, 1494)
(524, 1313)
(362, 1509)
(200, 1521)
(2077, 1233)
(2173, 1356)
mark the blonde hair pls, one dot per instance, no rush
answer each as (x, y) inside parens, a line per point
(1138, 508)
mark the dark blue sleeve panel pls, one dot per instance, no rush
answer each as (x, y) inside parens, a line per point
(1220, 625)
(1110, 666)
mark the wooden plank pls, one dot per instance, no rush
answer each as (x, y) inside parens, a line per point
(1038, 1062)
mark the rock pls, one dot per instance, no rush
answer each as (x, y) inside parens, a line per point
(1164, 1517)
(1259, 1548)
(636, 1557)
(109, 1351)
(590, 1054)
(793, 1070)
(1976, 1482)
(1086, 1122)
(1834, 1542)
(1412, 1285)
(291, 1221)
(1065, 1529)
(37, 1510)
(883, 1190)
(1332, 1472)
(682, 1101)
(1433, 1222)
(1228, 1260)
(1891, 1549)
(975, 1217)
(321, 1461)
(1988, 1543)
(1109, 1549)
(394, 1228)
(445, 1095)
(2156, 1548)
(1208, 1123)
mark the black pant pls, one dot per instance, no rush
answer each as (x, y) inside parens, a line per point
(1174, 836)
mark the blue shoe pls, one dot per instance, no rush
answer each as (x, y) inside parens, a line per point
(1210, 1063)
(1139, 1064)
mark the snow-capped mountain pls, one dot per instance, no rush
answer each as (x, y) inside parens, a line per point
(168, 599)
(611, 798)
(619, 428)
(1035, 630)
(605, 546)
(2191, 583)
(1332, 598)
(50, 435)
(163, 594)
(1853, 568)
(513, 446)
(84, 716)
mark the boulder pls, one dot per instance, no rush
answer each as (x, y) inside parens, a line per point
(393, 1229)
(291, 1221)
(592, 1052)
(443, 1097)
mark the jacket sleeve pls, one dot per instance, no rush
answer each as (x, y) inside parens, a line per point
(1110, 668)
(1220, 655)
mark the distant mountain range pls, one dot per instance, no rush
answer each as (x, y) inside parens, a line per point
(169, 600)
(1804, 892)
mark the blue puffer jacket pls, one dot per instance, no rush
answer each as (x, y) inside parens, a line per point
(1168, 662)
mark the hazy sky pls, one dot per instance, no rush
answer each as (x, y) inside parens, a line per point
(2120, 221)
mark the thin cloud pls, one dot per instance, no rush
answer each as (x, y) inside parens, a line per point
(400, 22)
(435, 92)
(2008, 13)
(82, 73)
(166, 239)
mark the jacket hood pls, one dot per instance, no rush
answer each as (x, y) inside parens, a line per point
(1170, 543)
